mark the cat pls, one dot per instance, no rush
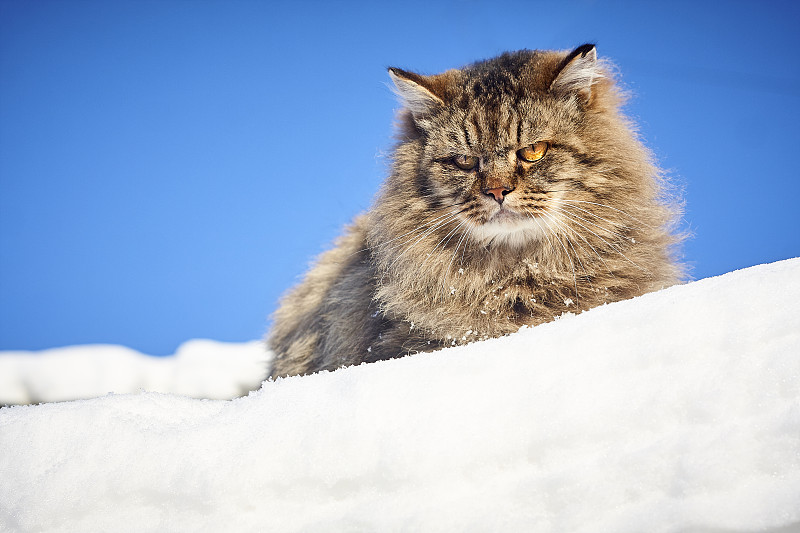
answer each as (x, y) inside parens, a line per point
(517, 192)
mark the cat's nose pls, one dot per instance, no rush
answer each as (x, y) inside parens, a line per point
(498, 193)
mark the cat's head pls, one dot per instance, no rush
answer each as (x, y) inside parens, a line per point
(514, 144)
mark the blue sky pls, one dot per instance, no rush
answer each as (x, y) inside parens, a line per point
(168, 169)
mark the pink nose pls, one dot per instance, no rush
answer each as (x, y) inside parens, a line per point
(499, 193)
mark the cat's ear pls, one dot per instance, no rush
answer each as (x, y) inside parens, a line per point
(415, 92)
(577, 73)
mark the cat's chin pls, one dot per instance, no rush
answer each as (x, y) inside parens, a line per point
(509, 228)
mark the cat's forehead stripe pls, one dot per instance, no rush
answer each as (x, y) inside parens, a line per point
(510, 74)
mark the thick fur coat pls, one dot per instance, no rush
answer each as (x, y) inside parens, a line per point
(518, 191)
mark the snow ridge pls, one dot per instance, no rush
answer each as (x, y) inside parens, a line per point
(199, 369)
(675, 411)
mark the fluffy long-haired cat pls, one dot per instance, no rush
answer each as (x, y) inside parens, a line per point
(517, 192)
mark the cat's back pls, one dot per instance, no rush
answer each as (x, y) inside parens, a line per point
(326, 312)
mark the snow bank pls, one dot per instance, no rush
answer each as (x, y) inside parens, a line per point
(199, 369)
(674, 412)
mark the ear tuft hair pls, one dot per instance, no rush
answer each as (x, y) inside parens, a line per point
(578, 72)
(413, 93)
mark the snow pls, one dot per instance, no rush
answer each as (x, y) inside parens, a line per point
(199, 369)
(678, 411)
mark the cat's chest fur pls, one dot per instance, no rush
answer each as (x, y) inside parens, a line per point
(483, 293)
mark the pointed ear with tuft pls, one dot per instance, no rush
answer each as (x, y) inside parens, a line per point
(414, 92)
(577, 73)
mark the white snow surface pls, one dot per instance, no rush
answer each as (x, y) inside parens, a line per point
(678, 411)
(199, 369)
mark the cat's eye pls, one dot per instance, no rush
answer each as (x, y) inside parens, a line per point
(465, 162)
(533, 152)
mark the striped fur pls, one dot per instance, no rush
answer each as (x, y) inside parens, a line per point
(439, 261)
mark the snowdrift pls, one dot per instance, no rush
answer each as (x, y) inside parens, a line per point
(199, 369)
(678, 411)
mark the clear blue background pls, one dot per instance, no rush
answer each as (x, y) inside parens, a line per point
(168, 169)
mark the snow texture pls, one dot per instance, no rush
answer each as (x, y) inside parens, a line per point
(199, 369)
(677, 411)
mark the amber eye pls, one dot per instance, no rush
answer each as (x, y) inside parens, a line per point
(533, 152)
(465, 162)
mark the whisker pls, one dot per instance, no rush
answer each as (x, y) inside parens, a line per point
(571, 205)
(572, 264)
(420, 233)
(421, 227)
(421, 238)
(544, 231)
(612, 208)
(564, 224)
(578, 217)
(455, 252)
(566, 230)
(610, 245)
(470, 233)
(442, 242)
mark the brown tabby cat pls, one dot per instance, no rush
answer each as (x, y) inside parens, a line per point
(517, 192)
